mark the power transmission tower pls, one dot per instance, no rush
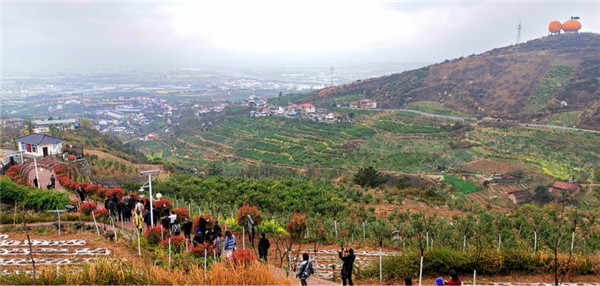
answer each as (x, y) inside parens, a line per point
(332, 69)
(519, 33)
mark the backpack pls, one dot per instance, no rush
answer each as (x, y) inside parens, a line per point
(176, 229)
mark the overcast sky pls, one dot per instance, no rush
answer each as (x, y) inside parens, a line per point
(196, 33)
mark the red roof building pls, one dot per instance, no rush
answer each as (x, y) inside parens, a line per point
(571, 188)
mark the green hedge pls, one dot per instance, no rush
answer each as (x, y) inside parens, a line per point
(36, 199)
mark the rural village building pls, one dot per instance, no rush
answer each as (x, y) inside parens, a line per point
(571, 188)
(36, 144)
(520, 196)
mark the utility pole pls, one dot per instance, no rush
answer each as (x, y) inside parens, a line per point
(519, 33)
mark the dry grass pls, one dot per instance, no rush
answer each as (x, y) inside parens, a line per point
(106, 272)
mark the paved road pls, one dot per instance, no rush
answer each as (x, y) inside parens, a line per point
(468, 118)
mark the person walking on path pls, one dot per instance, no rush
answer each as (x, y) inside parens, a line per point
(217, 244)
(305, 269)
(216, 228)
(138, 221)
(348, 258)
(263, 247)
(139, 206)
(81, 193)
(454, 279)
(187, 229)
(35, 183)
(166, 223)
(229, 243)
(53, 181)
(251, 230)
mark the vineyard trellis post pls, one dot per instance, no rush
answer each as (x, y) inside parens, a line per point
(95, 223)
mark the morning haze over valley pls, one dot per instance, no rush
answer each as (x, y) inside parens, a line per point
(300, 142)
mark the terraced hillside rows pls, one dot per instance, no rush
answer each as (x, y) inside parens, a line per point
(391, 141)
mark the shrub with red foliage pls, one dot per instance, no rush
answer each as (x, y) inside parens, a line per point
(14, 172)
(115, 192)
(92, 189)
(177, 243)
(182, 213)
(158, 205)
(102, 214)
(198, 251)
(242, 257)
(209, 221)
(297, 225)
(152, 235)
(59, 169)
(102, 192)
(87, 208)
(244, 211)
(71, 157)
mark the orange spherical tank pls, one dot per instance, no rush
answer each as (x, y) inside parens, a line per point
(571, 26)
(554, 27)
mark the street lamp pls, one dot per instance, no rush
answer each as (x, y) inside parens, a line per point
(149, 173)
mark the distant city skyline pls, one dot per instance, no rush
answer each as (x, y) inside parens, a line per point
(233, 32)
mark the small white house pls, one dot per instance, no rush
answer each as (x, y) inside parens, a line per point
(36, 144)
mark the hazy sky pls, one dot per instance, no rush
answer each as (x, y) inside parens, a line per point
(193, 33)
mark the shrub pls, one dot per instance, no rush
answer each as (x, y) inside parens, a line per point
(242, 257)
(92, 189)
(87, 208)
(102, 192)
(40, 199)
(102, 214)
(158, 205)
(14, 172)
(368, 176)
(11, 191)
(232, 223)
(152, 235)
(71, 157)
(115, 192)
(208, 218)
(177, 243)
(244, 211)
(198, 251)
(182, 213)
(297, 225)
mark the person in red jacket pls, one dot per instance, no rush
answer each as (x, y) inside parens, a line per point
(455, 280)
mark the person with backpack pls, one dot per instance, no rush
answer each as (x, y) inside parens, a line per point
(454, 279)
(229, 243)
(175, 228)
(305, 269)
(263, 247)
(138, 221)
(198, 238)
(348, 259)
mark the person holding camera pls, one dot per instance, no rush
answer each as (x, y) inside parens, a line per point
(348, 258)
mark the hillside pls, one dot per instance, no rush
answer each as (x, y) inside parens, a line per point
(525, 82)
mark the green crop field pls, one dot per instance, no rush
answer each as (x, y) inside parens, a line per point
(464, 186)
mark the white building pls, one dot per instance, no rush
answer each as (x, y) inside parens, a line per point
(36, 144)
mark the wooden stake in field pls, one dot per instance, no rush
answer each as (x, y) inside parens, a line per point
(474, 277)
(139, 248)
(190, 210)
(421, 271)
(335, 226)
(186, 245)
(534, 241)
(499, 241)
(464, 243)
(169, 252)
(58, 214)
(96, 224)
(30, 249)
(243, 239)
(205, 259)
(364, 233)
(426, 240)
(381, 266)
